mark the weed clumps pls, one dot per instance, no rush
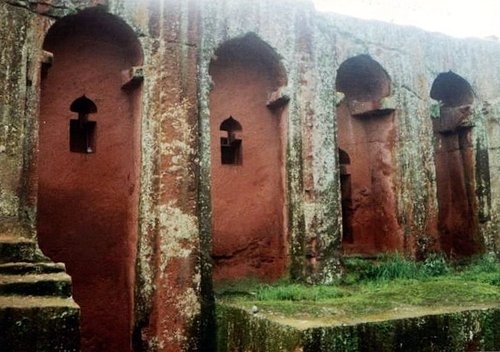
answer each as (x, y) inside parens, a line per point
(398, 267)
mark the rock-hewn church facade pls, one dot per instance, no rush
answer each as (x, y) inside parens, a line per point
(156, 146)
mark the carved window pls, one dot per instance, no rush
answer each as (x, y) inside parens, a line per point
(82, 131)
(230, 144)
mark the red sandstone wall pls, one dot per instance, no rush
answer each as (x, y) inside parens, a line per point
(456, 193)
(247, 199)
(369, 142)
(87, 203)
(455, 166)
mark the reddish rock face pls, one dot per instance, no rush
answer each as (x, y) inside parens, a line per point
(455, 188)
(366, 137)
(368, 203)
(454, 158)
(88, 200)
(247, 194)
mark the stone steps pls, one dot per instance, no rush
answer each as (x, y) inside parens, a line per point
(28, 302)
(19, 249)
(37, 312)
(24, 271)
(53, 284)
(34, 324)
(22, 268)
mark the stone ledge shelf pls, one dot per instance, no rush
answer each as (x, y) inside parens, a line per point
(277, 101)
(431, 329)
(39, 324)
(381, 107)
(132, 77)
(47, 58)
(451, 119)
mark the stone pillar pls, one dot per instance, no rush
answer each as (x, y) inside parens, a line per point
(37, 312)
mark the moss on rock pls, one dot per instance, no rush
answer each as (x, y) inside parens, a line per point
(239, 330)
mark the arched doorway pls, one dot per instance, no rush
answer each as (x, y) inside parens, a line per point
(366, 138)
(89, 168)
(454, 157)
(247, 138)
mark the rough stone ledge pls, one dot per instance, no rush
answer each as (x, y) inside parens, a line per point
(50, 8)
(22, 268)
(14, 249)
(39, 324)
(457, 329)
(53, 284)
(21, 302)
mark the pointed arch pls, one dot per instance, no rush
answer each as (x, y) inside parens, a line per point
(83, 105)
(230, 125)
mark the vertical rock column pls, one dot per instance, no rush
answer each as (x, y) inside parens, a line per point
(37, 312)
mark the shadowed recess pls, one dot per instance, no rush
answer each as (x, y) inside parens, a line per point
(252, 50)
(95, 23)
(452, 90)
(362, 78)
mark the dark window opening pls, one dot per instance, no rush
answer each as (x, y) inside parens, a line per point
(230, 151)
(82, 131)
(82, 136)
(346, 197)
(230, 146)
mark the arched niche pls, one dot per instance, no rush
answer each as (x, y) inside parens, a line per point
(452, 90)
(89, 168)
(248, 196)
(366, 139)
(365, 83)
(455, 165)
(455, 97)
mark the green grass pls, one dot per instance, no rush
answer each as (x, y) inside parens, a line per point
(297, 292)
(390, 284)
(395, 266)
